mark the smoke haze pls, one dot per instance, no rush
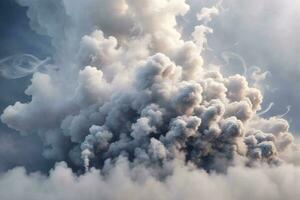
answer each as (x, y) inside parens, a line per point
(130, 106)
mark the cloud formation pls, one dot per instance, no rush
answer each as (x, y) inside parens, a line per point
(132, 106)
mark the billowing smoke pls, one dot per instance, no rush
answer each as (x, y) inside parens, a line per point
(129, 103)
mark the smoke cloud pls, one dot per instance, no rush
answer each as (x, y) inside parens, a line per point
(136, 114)
(124, 182)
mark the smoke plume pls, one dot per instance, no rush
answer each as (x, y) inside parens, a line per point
(136, 112)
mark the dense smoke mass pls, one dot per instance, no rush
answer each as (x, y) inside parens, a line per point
(129, 109)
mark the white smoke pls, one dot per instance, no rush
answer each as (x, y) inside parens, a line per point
(123, 182)
(133, 104)
(206, 14)
(18, 66)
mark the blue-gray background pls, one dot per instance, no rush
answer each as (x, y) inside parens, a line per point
(16, 37)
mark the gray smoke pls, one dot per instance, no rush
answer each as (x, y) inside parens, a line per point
(133, 104)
